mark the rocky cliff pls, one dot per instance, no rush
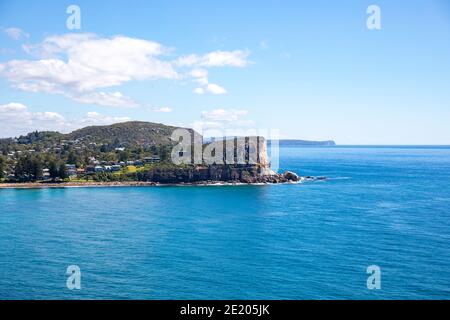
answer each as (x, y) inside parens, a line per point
(216, 173)
(238, 160)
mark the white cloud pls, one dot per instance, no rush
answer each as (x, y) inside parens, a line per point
(81, 66)
(188, 61)
(215, 89)
(202, 126)
(211, 88)
(53, 46)
(223, 115)
(12, 107)
(201, 77)
(162, 109)
(76, 65)
(222, 122)
(16, 119)
(199, 73)
(199, 91)
(16, 33)
(95, 118)
(236, 58)
(114, 99)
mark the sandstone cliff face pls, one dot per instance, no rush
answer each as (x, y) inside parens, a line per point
(239, 150)
(262, 152)
(241, 160)
(213, 173)
(238, 160)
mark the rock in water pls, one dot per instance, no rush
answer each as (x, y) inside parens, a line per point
(291, 176)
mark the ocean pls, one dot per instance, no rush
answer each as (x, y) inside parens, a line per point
(383, 206)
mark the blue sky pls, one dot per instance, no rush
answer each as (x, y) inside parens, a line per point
(311, 69)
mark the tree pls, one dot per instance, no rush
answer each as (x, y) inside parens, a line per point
(123, 156)
(23, 169)
(86, 160)
(53, 170)
(63, 174)
(36, 169)
(116, 143)
(2, 167)
(165, 153)
(104, 148)
(72, 158)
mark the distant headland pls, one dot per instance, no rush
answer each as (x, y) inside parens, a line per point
(296, 142)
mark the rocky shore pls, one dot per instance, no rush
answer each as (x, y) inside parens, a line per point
(222, 173)
(287, 177)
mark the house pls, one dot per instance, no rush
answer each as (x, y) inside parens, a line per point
(120, 149)
(130, 163)
(71, 170)
(152, 159)
(72, 173)
(138, 163)
(81, 171)
(46, 174)
(90, 169)
(99, 169)
(116, 167)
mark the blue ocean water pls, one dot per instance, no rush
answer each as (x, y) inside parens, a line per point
(381, 206)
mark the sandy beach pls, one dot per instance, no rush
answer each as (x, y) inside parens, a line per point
(38, 185)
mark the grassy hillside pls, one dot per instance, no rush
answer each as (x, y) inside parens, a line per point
(25, 157)
(126, 134)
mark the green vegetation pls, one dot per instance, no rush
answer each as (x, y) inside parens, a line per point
(92, 150)
(2, 167)
(28, 168)
(62, 172)
(127, 134)
(53, 170)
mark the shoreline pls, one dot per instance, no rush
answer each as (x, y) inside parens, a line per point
(52, 185)
(38, 185)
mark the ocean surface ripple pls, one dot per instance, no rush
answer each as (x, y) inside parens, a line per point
(381, 206)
